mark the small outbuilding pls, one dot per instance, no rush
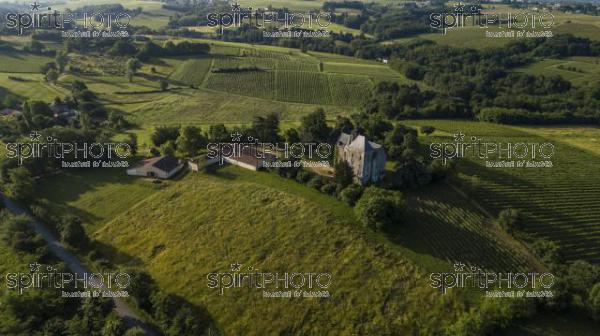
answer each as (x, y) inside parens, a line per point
(163, 167)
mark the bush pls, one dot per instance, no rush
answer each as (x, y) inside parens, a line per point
(72, 232)
(316, 182)
(379, 209)
(510, 220)
(329, 188)
(351, 194)
(547, 251)
(303, 176)
(594, 302)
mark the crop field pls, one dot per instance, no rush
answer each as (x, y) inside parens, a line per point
(22, 63)
(581, 71)
(259, 84)
(445, 225)
(31, 86)
(265, 63)
(559, 203)
(191, 71)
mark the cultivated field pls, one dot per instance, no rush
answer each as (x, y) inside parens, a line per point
(581, 71)
(559, 203)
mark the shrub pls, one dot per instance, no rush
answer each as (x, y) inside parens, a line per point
(72, 232)
(351, 194)
(379, 209)
(316, 182)
(303, 176)
(510, 220)
(329, 188)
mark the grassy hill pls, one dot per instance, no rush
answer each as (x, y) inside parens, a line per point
(204, 223)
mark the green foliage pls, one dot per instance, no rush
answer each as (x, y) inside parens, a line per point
(19, 185)
(510, 220)
(547, 251)
(266, 129)
(343, 174)
(190, 141)
(168, 148)
(351, 194)
(314, 127)
(594, 301)
(73, 233)
(380, 209)
(163, 134)
(61, 60)
(164, 85)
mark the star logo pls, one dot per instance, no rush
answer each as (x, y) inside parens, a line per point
(34, 267)
(235, 7)
(236, 267)
(236, 137)
(459, 137)
(35, 6)
(458, 267)
(35, 136)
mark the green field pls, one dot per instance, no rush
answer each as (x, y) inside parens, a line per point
(191, 71)
(16, 62)
(559, 203)
(581, 71)
(587, 26)
(199, 225)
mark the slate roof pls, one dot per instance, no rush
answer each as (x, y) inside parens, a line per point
(165, 163)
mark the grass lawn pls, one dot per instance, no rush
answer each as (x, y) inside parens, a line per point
(96, 196)
(205, 222)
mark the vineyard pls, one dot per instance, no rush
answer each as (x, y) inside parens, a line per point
(560, 203)
(191, 71)
(259, 84)
(286, 76)
(454, 231)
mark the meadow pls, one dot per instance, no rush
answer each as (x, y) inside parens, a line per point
(580, 71)
(197, 225)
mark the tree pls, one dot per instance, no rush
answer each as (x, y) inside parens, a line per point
(266, 129)
(113, 326)
(132, 141)
(427, 129)
(314, 127)
(168, 148)
(580, 275)
(20, 184)
(190, 141)
(351, 194)
(379, 209)
(61, 60)
(594, 301)
(343, 174)
(218, 133)
(133, 65)
(72, 232)
(291, 136)
(510, 220)
(547, 251)
(163, 134)
(52, 76)
(164, 85)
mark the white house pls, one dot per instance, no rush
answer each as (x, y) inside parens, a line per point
(161, 167)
